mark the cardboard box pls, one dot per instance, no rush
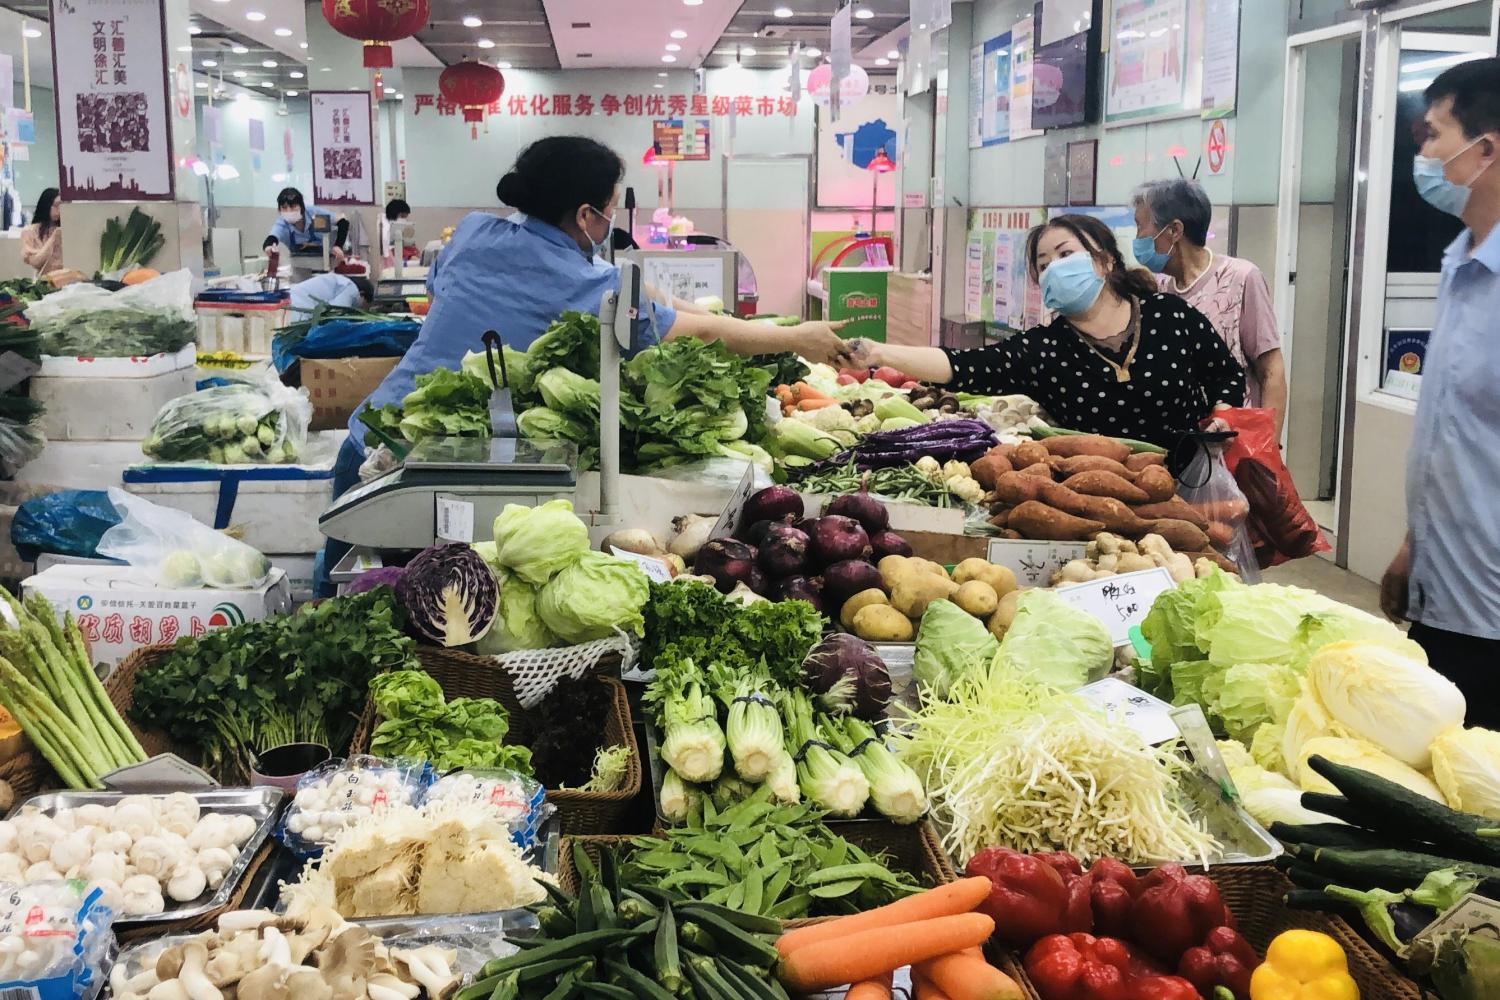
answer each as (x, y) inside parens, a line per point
(120, 608)
(338, 386)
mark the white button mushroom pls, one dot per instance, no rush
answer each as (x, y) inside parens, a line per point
(187, 883)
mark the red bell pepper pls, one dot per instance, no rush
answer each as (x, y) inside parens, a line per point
(1079, 914)
(1080, 967)
(1162, 988)
(1112, 890)
(1224, 959)
(1028, 899)
(1174, 911)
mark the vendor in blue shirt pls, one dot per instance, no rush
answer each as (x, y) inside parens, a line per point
(515, 275)
(293, 229)
(327, 288)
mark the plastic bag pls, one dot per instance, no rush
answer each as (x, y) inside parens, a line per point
(347, 337)
(62, 931)
(181, 552)
(1280, 526)
(339, 793)
(154, 317)
(515, 798)
(66, 523)
(1207, 485)
(257, 423)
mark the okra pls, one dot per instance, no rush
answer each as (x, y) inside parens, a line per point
(666, 953)
(577, 946)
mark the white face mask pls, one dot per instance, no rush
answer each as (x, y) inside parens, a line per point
(293, 217)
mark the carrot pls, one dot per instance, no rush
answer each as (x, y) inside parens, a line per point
(871, 989)
(816, 404)
(946, 900)
(784, 393)
(923, 989)
(869, 953)
(804, 391)
(969, 977)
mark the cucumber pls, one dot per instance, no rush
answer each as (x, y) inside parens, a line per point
(1391, 869)
(1135, 446)
(1328, 835)
(1336, 806)
(1402, 813)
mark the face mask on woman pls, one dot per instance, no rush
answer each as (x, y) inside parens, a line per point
(1144, 248)
(1435, 187)
(597, 247)
(292, 215)
(1070, 284)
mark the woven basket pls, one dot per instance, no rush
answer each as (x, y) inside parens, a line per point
(465, 676)
(1253, 894)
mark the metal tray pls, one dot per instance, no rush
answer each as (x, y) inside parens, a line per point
(260, 803)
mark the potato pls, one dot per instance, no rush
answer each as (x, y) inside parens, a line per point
(917, 590)
(892, 568)
(882, 623)
(927, 566)
(1005, 613)
(1000, 578)
(977, 598)
(858, 602)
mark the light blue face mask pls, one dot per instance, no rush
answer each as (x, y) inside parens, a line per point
(597, 247)
(1070, 284)
(1435, 187)
(1144, 248)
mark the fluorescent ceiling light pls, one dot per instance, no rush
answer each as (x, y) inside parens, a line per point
(692, 3)
(283, 32)
(193, 29)
(485, 43)
(254, 15)
(267, 83)
(679, 33)
(783, 12)
(239, 50)
(400, 97)
(473, 22)
(301, 45)
(863, 13)
(669, 58)
(658, 86)
(661, 74)
(268, 63)
(295, 74)
(184, 48)
(209, 63)
(291, 93)
(239, 74)
(1452, 59)
(746, 50)
(812, 50)
(202, 84)
(673, 47)
(32, 33)
(882, 61)
(893, 54)
(503, 65)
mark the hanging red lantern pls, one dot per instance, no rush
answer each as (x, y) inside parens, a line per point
(377, 23)
(473, 86)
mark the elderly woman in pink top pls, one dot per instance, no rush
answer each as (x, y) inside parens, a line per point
(1171, 223)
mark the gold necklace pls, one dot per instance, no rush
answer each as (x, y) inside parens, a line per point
(1132, 334)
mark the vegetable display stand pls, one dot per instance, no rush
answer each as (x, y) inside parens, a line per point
(914, 849)
(464, 676)
(207, 921)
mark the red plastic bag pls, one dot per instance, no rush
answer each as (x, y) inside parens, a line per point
(1280, 527)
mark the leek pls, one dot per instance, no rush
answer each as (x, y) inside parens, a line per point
(895, 790)
(692, 742)
(753, 730)
(827, 777)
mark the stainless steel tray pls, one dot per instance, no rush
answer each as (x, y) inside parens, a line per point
(259, 803)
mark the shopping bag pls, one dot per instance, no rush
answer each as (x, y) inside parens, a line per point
(1280, 526)
(1206, 484)
(181, 552)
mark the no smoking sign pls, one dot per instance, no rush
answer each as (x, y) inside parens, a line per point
(1216, 146)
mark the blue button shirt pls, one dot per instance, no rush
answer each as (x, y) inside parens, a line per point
(294, 239)
(1453, 468)
(334, 289)
(513, 276)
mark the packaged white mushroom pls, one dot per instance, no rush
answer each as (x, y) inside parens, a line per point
(343, 793)
(257, 955)
(54, 936)
(516, 799)
(145, 852)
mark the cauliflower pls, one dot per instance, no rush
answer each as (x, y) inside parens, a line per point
(955, 469)
(833, 418)
(867, 424)
(929, 467)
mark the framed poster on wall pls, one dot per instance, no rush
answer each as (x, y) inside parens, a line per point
(1155, 66)
(343, 157)
(113, 123)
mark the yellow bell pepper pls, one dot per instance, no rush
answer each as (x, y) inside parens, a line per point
(1303, 965)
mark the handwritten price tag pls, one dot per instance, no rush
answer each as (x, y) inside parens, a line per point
(1034, 563)
(1119, 601)
(656, 569)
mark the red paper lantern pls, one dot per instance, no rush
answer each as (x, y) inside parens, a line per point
(377, 23)
(473, 86)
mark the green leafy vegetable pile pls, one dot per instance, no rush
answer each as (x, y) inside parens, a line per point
(444, 404)
(115, 333)
(302, 677)
(418, 722)
(693, 622)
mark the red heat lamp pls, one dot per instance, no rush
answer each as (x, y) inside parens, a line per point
(879, 164)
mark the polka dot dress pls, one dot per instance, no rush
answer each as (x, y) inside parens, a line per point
(1181, 369)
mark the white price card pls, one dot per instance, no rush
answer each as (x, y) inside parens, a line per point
(1120, 601)
(455, 520)
(1145, 713)
(656, 569)
(1471, 912)
(1033, 562)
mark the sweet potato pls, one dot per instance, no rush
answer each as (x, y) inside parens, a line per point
(1028, 453)
(1017, 487)
(1176, 508)
(988, 470)
(1001, 517)
(1144, 460)
(1105, 484)
(1040, 470)
(1112, 513)
(1003, 450)
(1087, 444)
(1010, 533)
(1220, 535)
(1037, 520)
(1089, 463)
(1157, 483)
(1183, 536)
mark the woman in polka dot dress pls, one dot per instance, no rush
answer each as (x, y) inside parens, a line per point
(1121, 358)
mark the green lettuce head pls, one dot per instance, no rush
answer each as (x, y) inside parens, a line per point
(951, 643)
(1254, 694)
(569, 393)
(541, 423)
(538, 542)
(594, 597)
(1055, 643)
(518, 626)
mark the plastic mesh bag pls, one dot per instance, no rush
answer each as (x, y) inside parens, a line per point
(181, 552)
(1207, 486)
(535, 672)
(261, 422)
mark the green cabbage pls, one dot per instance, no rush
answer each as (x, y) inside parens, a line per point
(1055, 643)
(1253, 694)
(536, 543)
(1256, 624)
(1340, 624)
(594, 597)
(951, 643)
(1171, 629)
(180, 571)
(518, 626)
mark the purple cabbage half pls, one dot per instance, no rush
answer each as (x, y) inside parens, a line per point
(847, 677)
(450, 595)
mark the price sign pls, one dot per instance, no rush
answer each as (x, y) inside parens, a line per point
(1034, 563)
(455, 519)
(1145, 713)
(656, 569)
(1119, 601)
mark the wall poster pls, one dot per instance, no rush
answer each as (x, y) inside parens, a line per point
(343, 160)
(865, 130)
(110, 60)
(1022, 51)
(995, 267)
(1221, 57)
(1155, 66)
(989, 92)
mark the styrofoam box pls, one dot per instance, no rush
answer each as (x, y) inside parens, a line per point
(81, 465)
(276, 507)
(239, 327)
(110, 399)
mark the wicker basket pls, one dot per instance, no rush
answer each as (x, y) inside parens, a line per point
(465, 676)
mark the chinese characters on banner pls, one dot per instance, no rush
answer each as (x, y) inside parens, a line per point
(571, 105)
(343, 158)
(112, 105)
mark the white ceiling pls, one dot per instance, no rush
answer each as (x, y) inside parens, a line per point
(288, 15)
(635, 34)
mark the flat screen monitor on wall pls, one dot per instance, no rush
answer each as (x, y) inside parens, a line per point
(1065, 75)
